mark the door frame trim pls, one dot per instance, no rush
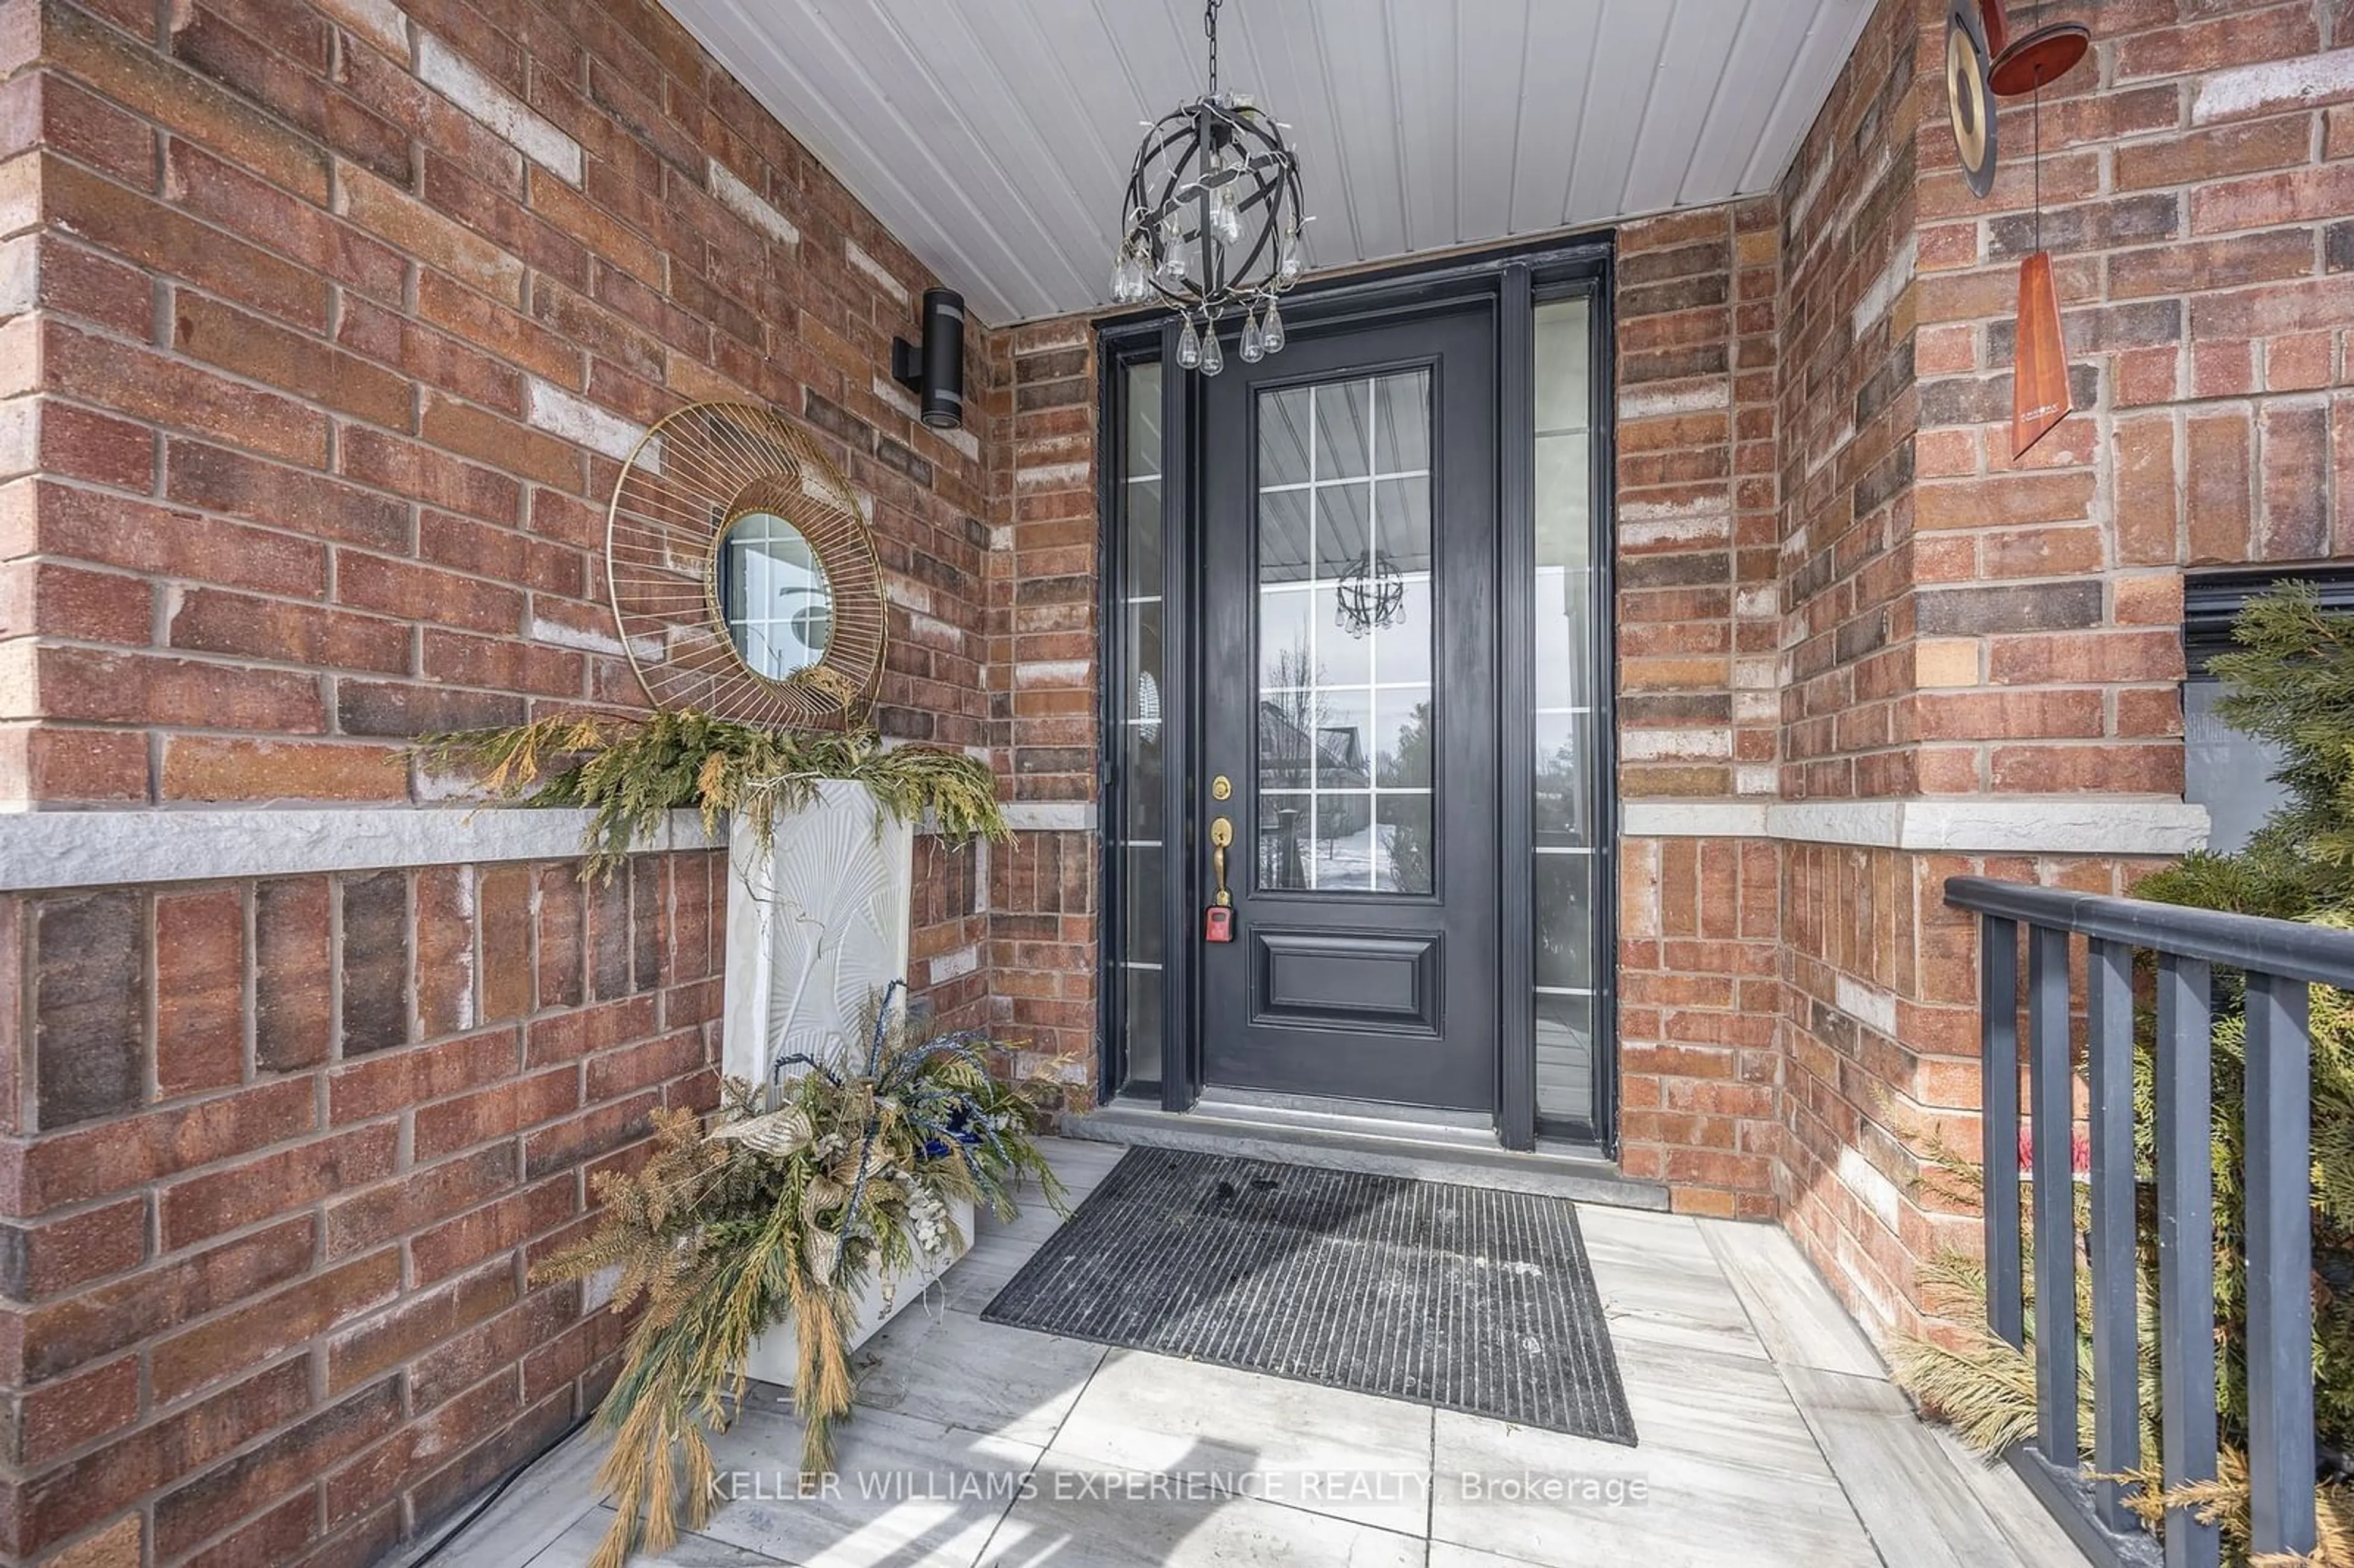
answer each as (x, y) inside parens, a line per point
(1512, 280)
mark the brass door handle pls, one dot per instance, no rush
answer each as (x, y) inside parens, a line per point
(1221, 834)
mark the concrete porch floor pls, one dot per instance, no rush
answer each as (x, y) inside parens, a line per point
(1770, 1437)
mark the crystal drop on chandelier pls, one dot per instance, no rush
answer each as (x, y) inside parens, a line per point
(1213, 219)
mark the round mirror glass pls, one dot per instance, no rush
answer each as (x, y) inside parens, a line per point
(774, 593)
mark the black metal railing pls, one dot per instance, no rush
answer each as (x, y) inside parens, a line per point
(2280, 960)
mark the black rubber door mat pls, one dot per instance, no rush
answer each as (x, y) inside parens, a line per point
(1463, 1298)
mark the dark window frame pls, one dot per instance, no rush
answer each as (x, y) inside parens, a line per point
(1117, 673)
(1516, 278)
(2212, 601)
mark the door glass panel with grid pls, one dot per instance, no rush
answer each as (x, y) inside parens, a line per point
(1349, 638)
(1344, 636)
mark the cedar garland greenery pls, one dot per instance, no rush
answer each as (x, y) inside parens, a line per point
(781, 1210)
(2290, 683)
(631, 772)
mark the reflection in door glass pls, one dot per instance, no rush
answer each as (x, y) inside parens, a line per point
(1563, 718)
(1136, 833)
(1344, 636)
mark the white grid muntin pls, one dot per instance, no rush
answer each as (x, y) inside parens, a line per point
(1373, 791)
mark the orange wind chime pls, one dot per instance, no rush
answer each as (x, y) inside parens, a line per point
(1983, 63)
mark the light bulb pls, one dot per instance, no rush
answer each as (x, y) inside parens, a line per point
(1271, 332)
(1254, 346)
(1119, 269)
(1189, 346)
(1214, 358)
(1287, 254)
(1172, 260)
(1226, 219)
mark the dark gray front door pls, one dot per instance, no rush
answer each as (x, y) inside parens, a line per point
(1348, 620)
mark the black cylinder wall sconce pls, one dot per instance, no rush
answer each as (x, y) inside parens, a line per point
(935, 372)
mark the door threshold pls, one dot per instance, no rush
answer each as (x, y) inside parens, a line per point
(1423, 1123)
(1381, 1140)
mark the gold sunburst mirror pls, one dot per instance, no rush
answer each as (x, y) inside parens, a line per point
(743, 576)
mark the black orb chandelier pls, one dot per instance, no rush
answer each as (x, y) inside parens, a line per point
(1213, 222)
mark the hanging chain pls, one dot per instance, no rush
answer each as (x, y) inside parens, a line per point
(1210, 25)
(2035, 136)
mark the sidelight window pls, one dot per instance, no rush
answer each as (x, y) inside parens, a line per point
(1563, 718)
(1136, 838)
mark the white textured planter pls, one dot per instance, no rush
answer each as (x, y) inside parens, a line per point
(775, 1354)
(817, 927)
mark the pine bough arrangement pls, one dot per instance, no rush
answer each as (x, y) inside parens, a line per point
(783, 1208)
(800, 1192)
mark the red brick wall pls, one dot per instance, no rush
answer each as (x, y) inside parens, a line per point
(1698, 341)
(1848, 416)
(2006, 628)
(1043, 652)
(1850, 408)
(1883, 1036)
(2194, 176)
(1701, 1069)
(329, 381)
(288, 1149)
(323, 327)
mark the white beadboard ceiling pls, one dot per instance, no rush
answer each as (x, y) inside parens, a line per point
(994, 136)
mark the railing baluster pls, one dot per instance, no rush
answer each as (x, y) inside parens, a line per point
(2283, 959)
(2051, 1116)
(2280, 1265)
(1999, 1120)
(2116, 1374)
(2186, 1250)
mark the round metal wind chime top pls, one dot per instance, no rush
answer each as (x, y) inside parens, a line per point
(1213, 222)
